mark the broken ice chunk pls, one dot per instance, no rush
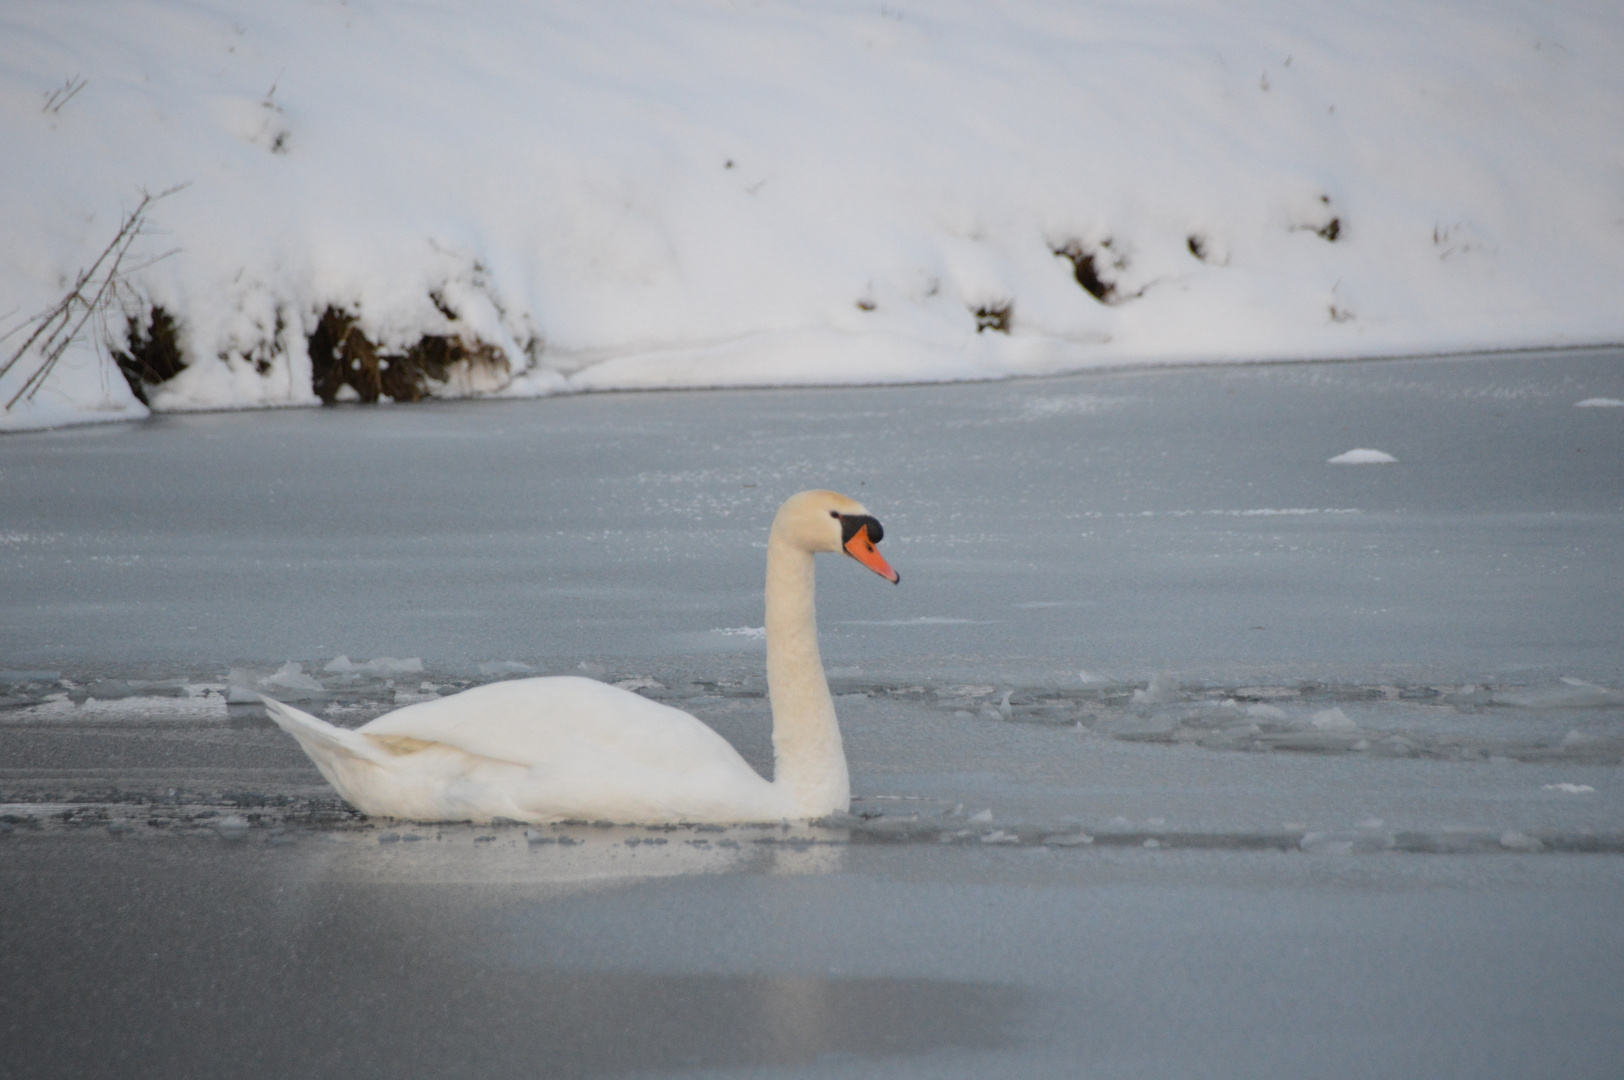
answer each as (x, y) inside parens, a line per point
(1163, 690)
(1570, 693)
(231, 827)
(291, 676)
(1332, 719)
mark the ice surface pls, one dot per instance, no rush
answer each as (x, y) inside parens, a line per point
(914, 961)
(1106, 184)
(632, 531)
(1028, 851)
(59, 707)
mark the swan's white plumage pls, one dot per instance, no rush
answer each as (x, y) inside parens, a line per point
(548, 749)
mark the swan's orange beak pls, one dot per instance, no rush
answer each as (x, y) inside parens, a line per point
(861, 548)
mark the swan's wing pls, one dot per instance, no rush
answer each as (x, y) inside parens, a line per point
(551, 720)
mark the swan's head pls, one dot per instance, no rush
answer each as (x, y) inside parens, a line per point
(829, 521)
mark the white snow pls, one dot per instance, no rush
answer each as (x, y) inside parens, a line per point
(623, 195)
(1570, 789)
(1599, 403)
(1364, 457)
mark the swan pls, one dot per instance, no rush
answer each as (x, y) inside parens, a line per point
(564, 747)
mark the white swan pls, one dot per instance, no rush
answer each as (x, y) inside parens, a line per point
(550, 749)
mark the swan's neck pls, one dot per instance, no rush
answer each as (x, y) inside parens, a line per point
(810, 762)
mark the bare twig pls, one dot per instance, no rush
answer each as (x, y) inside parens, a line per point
(64, 93)
(60, 325)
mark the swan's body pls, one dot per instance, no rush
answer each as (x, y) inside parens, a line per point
(555, 748)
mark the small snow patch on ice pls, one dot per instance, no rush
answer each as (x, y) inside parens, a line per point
(1599, 403)
(209, 708)
(1575, 737)
(231, 827)
(918, 620)
(1332, 719)
(981, 817)
(1570, 694)
(1571, 789)
(1068, 405)
(1162, 690)
(742, 631)
(382, 665)
(1364, 456)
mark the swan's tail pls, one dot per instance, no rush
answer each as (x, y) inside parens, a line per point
(346, 758)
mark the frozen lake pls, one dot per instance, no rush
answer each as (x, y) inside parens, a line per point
(1179, 751)
(1162, 521)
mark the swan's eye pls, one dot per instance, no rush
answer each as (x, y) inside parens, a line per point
(834, 513)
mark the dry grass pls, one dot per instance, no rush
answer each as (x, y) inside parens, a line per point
(95, 291)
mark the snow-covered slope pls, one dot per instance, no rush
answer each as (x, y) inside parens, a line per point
(706, 193)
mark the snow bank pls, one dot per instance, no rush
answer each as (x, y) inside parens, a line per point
(702, 194)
